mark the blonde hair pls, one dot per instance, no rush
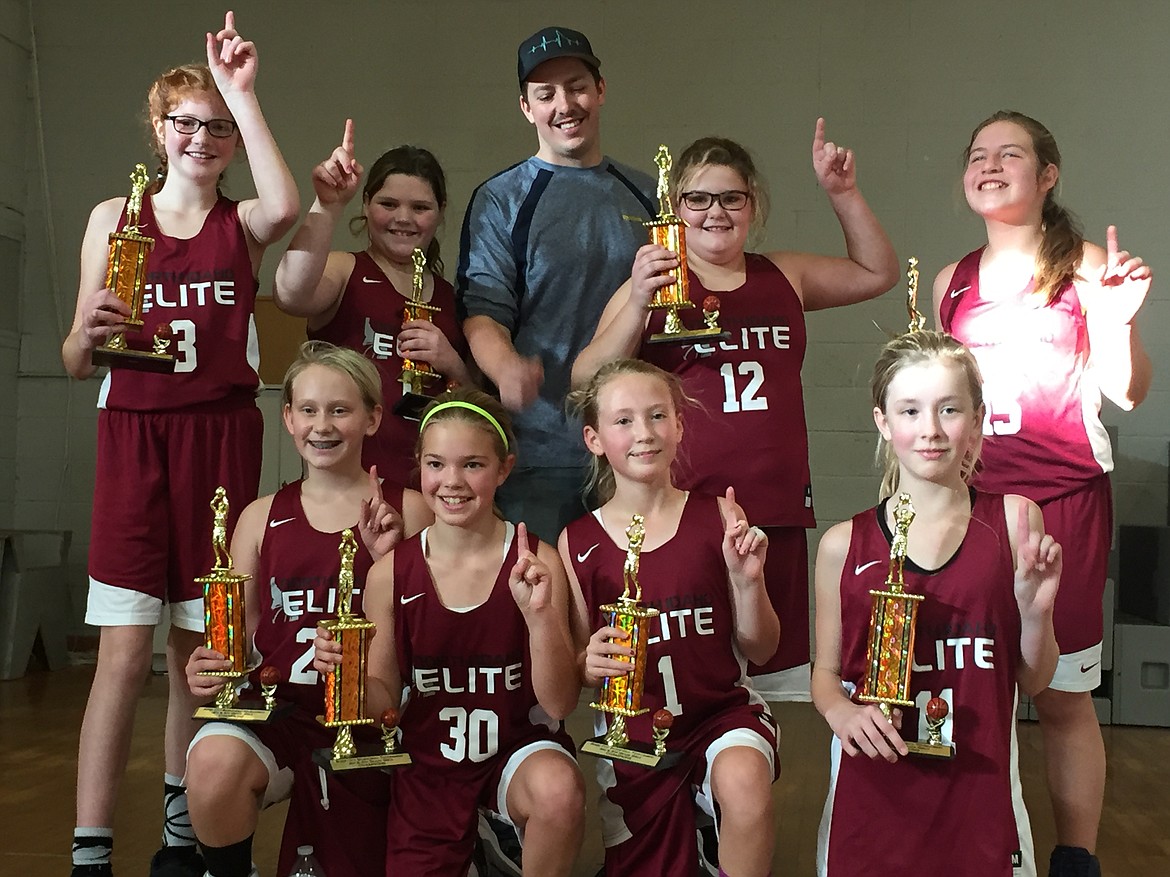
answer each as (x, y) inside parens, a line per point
(166, 93)
(917, 348)
(470, 416)
(584, 403)
(1063, 242)
(341, 359)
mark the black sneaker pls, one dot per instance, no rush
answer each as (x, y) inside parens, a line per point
(1073, 862)
(177, 862)
(501, 846)
(105, 869)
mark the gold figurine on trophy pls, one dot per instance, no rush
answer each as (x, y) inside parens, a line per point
(416, 375)
(621, 696)
(126, 278)
(917, 319)
(669, 231)
(889, 658)
(225, 631)
(345, 687)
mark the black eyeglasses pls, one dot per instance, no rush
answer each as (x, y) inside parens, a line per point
(732, 199)
(215, 127)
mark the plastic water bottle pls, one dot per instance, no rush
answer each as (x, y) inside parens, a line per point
(307, 864)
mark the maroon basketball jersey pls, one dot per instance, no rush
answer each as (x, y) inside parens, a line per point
(204, 287)
(368, 320)
(297, 584)
(749, 432)
(469, 672)
(693, 668)
(1043, 433)
(926, 810)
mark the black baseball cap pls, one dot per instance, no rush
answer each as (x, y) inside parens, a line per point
(553, 42)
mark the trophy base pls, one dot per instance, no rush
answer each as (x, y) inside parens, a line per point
(135, 360)
(243, 715)
(384, 760)
(632, 753)
(931, 750)
(411, 405)
(688, 335)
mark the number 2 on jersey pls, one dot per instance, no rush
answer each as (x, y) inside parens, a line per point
(748, 398)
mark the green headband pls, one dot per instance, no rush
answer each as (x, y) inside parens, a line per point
(470, 406)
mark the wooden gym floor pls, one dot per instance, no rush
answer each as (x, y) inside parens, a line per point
(40, 715)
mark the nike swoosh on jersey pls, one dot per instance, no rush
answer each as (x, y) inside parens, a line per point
(862, 567)
(281, 521)
(1085, 669)
(371, 280)
(405, 599)
(957, 292)
(581, 558)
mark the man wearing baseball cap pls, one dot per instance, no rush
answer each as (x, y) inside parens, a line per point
(544, 245)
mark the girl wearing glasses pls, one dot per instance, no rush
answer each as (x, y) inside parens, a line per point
(355, 299)
(166, 441)
(753, 435)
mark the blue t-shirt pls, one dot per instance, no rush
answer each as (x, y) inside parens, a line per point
(543, 249)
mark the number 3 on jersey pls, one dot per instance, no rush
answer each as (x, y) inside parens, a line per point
(184, 345)
(747, 398)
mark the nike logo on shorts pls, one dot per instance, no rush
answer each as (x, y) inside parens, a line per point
(957, 292)
(862, 567)
(371, 280)
(1085, 669)
(282, 521)
(581, 558)
(405, 599)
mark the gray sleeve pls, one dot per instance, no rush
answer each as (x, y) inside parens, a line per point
(485, 283)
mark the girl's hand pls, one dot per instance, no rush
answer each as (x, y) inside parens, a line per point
(530, 578)
(1120, 285)
(232, 59)
(424, 341)
(103, 315)
(1038, 565)
(204, 660)
(337, 178)
(833, 164)
(599, 661)
(327, 651)
(379, 523)
(744, 547)
(649, 273)
(866, 730)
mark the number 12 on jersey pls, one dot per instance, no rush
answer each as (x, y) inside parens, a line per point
(748, 398)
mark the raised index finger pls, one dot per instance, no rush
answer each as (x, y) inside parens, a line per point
(347, 138)
(819, 136)
(1111, 248)
(521, 540)
(375, 483)
(229, 20)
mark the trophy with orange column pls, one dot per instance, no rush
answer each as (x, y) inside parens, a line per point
(889, 658)
(621, 696)
(225, 631)
(126, 278)
(669, 231)
(416, 375)
(345, 687)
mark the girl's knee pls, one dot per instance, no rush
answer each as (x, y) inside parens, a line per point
(741, 780)
(220, 767)
(553, 790)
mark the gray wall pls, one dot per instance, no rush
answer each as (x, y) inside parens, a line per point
(901, 81)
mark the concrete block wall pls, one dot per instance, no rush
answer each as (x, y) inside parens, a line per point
(901, 81)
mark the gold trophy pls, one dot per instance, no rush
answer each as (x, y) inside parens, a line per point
(345, 687)
(889, 658)
(415, 374)
(621, 696)
(125, 278)
(917, 320)
(669, 231)
(225, 631)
